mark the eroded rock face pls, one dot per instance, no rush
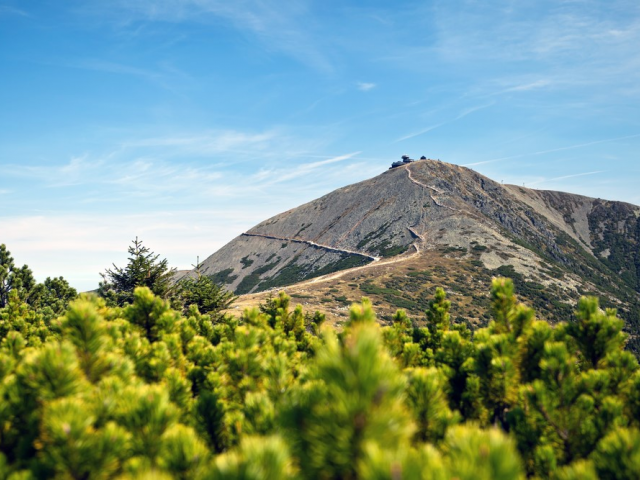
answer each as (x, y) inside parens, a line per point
(428, 205)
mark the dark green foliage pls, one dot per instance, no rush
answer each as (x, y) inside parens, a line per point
(144, 269)
(391, 295)
(6, 269)
(223, 277)
(246, 262)
(345, 262)
(293, 273)
(250, 281)
(14, 279)
(387, 249)
(372, 236)
(247, 283)
(289, 274)
(209, 297)
(36, 304)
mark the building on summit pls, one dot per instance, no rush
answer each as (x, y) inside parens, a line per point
(405, 160)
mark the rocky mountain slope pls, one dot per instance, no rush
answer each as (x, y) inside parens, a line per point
(394, 236)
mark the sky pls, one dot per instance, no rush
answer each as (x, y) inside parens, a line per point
(186, 122)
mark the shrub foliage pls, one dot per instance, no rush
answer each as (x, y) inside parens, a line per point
(146, 391)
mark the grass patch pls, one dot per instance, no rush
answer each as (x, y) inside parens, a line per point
(454, 250)
(423, 275)
(300, 295)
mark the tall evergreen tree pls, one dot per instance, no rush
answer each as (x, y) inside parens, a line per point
(144, 269)
(204, 293)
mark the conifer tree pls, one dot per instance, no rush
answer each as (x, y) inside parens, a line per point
(209, 297)
(144, 269)
(50, 298)
(6, 268)
(204, 293)
(12, 278)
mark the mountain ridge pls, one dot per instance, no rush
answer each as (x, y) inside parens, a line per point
(567, 244)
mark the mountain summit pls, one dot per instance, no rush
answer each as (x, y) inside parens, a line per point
(568, 243)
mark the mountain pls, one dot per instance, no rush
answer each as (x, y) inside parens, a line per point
(428, 223)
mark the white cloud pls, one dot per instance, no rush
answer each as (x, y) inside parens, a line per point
(365, 87)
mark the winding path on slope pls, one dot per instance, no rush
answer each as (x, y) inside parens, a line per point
(314, 244)
(417, 182)
(376, 261)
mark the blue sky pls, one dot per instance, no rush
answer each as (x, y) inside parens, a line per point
(185, 122)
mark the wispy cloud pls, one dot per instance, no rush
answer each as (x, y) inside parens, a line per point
(184, 168)
(553, 150)
(280, 175)
(463, 114)
(365, 86)
(506, 47)
(564, 177)
(8, 10)
(526, 87)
